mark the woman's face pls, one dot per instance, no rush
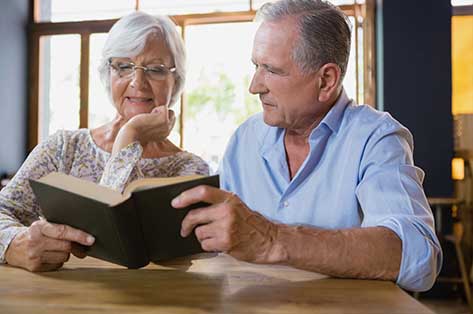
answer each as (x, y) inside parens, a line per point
(140, 92)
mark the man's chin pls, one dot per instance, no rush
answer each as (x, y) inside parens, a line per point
(270, 120)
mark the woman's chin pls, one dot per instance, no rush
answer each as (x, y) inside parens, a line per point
(137, 111)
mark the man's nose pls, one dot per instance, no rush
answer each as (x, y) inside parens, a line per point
(257, 85)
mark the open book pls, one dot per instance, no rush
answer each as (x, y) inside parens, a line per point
(130, 228)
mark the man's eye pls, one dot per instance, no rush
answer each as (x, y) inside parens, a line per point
(270, 70)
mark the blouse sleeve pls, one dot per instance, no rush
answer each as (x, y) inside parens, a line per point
(18, 205)
(121, 167)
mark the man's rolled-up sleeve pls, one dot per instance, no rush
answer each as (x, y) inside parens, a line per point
(390, 194)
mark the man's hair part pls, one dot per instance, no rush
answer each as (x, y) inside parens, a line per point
(325, 32)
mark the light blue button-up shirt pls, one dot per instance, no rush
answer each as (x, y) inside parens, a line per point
(359, 173)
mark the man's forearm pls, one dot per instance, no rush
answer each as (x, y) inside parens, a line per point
(369, 253)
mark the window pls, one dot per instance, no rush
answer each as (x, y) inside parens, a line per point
(59, 74)
(67, 42)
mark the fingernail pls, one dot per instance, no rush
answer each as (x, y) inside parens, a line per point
(90, 239)
(175, 202)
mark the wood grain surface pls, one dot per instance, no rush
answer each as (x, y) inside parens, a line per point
(198, 284)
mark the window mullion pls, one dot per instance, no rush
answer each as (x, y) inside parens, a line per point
(34, 93)
(84, 80)
(183, 97)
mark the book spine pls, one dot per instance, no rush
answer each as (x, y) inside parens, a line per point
(127, 226)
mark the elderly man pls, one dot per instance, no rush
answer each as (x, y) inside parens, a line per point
(317, 182)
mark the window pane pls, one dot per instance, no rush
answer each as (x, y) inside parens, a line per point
(59, 83)
(101, 110)
(258, 3)
(61, 10)
(195, 6)
(462, 67)
(462, 2)
(175, 135)
(349, 82)
(217, 86)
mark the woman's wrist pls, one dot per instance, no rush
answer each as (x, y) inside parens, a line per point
(125, 137)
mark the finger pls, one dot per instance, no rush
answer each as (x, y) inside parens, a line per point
(172, 119)
(64, 232)
(204, 232)
(171, 115)
(201, 193)
(48, 267)
(52, 257)
(161, 110)
(52, 244)
(78, 250)
(210, 245)
(199, 216)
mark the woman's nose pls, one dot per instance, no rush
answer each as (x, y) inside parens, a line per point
(139, 79)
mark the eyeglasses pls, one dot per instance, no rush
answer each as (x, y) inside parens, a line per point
(155, 72)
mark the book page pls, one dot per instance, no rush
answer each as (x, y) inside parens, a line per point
(83, 187)
(147, 183)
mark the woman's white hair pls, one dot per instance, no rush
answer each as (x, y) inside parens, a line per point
(127, 38)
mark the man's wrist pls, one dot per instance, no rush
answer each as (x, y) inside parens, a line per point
(278, 252)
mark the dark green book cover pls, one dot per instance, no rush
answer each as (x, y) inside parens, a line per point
(132, 232)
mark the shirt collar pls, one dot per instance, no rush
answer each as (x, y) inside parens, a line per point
(333, 119)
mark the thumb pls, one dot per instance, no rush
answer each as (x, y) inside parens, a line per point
(171, 115)
(172, 119)
(157, 109)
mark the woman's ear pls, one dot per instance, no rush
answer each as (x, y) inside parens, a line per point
(329, 80)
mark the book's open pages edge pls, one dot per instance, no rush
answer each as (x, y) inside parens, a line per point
(148, 183)
(83, 187)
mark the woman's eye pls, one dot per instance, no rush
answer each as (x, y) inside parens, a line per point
(124, 66)
(158, 70)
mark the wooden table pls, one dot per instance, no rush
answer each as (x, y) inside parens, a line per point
(219, 284)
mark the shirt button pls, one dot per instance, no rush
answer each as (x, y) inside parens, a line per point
(285, 204)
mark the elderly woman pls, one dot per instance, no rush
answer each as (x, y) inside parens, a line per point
(143, 70)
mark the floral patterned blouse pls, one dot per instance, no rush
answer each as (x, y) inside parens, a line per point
(75, 153)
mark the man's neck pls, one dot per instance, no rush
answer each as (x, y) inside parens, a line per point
(297, 148)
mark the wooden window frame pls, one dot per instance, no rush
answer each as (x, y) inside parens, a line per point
(89, 27)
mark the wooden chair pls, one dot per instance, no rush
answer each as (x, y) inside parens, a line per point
(438, 206)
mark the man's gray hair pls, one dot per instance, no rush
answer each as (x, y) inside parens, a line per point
(127, 38)
(325, 31)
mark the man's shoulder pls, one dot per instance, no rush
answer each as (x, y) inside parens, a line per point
(367, 124)
(370, 119)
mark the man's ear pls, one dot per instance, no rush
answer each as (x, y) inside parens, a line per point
(329, 80)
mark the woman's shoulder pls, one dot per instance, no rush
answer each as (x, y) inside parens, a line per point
(180, 163)
(70, 142)
(67, 136)
(188, 156)
(192, 164)
(63, 138)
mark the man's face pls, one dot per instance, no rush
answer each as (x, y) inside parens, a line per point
(288, 96)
